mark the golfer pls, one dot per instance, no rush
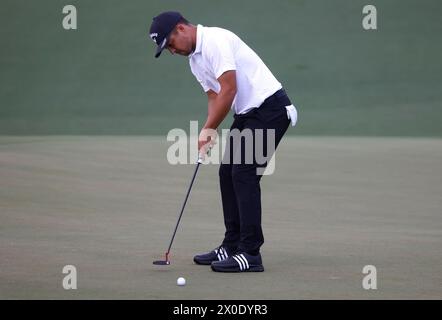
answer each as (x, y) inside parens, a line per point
(233, 77)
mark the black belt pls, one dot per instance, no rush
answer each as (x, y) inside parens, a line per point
(275, 97)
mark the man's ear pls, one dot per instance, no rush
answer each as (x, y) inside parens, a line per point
(180, 27)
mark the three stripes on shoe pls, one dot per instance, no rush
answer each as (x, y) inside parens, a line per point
(239, 258)
(221, 253)
(242, 261)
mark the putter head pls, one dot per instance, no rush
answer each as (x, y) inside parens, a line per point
(165, 262)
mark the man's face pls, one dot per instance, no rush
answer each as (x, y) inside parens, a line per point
(180, 41)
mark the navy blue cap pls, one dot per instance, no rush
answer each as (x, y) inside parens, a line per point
(161, 27)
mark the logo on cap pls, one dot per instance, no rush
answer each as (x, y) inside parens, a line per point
(154, 36)
(161, 27)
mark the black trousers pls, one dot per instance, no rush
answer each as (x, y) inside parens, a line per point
(239, 180)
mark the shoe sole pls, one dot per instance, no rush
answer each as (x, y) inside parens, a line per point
(204, 262)
(251, 269)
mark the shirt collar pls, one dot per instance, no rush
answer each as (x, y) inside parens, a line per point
(199, 36)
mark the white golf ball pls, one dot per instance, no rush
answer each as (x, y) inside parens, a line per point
(181, 281)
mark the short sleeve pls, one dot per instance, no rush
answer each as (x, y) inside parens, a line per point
(205, 87)
(198, 77)
(221, 57)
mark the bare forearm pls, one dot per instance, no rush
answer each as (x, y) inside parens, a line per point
(219, 107)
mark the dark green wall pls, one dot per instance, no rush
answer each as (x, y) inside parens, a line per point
(103, 79)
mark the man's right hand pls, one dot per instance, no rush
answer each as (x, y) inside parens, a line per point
(206, 140)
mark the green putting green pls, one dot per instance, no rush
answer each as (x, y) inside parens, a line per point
(108, 206)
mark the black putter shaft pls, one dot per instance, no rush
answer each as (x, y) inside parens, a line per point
(182, 209)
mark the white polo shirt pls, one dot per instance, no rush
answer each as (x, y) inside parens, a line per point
(219, 50)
